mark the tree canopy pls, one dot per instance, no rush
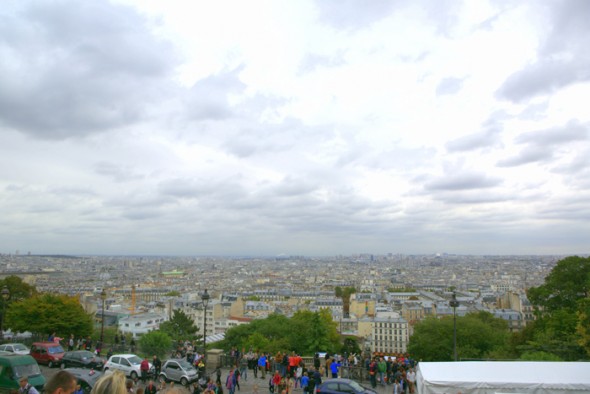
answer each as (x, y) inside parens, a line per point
(155, 343)
(305, 333)
(479, 335)
(18, 290)
(563, 311)
(180, 326)
(48, 313)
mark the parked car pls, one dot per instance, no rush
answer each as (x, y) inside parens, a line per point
(15, 366)
(343, 386)
(178, 370)
(82, 359)
(128, 363)
(86, 378)
(49, 353)
(16, 348)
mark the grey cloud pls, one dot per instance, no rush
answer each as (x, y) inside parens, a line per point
(313, 61)
(78, 68)
(528, 155)
(576, 164)
(488, 137)
(465, 181)
(573, 131)
(541, 143)
(546, 76)
(563, 58)
(208, 98)
(117, 172)
(471, 197)
(449, 86)
(483, 139)
(353, 14)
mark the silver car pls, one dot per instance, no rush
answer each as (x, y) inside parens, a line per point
(178, 370)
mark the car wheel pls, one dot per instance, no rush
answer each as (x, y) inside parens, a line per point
(133, 375)
(162, 378)
(62, 366)
(184, 381)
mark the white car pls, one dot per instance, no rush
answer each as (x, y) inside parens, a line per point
(127, 363)
(16, 348)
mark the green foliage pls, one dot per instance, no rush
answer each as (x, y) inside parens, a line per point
(253, 298)
(47, 313)
(539, 356)
(583, 324)
(561, 302)
(18, 289)
(109, 334)
(568, 282)
(155, 342)
(479, 336)
(180, 326)
(173, 293)
(305, 333)
(350, 346)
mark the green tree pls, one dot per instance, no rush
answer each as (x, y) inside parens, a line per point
(567, 283)
(18, 289)
(539, 356)
(479, 335)
(305, 333)
(350, 346)
(560, 309)
(583, 324)
(155, 342)
(180, 326)
(47, 313)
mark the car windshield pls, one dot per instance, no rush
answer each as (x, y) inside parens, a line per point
(55, 349)
(20, 347)
(134, 360)
(356, 387)
(26, 370)
(185, 364)
(87, 354)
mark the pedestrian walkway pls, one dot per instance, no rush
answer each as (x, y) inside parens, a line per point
(252, 385)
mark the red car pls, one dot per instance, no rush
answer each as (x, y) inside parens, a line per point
(49, 353)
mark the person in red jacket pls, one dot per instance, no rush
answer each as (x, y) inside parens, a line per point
(144, 367)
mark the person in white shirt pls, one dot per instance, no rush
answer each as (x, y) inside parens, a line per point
(411, 377)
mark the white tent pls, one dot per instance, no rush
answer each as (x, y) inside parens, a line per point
(500, 377)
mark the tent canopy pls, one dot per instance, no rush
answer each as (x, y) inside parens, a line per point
(495, 377)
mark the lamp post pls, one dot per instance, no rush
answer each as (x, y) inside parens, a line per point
(103, 297)
(454, 304)
(5, 297)
(205, 298)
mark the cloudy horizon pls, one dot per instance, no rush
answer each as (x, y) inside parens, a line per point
(312, 127)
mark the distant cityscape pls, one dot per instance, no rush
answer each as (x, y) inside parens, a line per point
(394, 291)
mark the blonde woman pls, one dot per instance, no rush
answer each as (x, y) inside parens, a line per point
(114, 383)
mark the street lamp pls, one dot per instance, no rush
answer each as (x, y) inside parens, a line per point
(454, 304)
(5, 297)
(103, 297)
(205, 298)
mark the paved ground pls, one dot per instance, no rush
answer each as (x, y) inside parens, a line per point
(248, 385)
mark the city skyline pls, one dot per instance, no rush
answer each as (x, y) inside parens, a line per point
(312, 128)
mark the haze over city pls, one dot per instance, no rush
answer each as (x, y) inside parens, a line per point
(294, 127)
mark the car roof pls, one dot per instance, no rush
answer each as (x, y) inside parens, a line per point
(12, 344)
(89, 375)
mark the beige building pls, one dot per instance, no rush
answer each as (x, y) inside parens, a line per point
(362, 305)
(385, 335)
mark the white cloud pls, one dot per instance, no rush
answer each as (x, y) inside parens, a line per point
(308, 127)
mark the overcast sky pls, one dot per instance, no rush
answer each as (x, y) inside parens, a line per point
(297, 127)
